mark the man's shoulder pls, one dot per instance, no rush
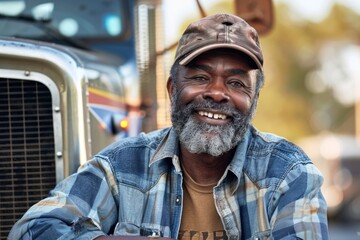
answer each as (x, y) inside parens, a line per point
(147, 140)
(272, 157)
(129, 159)
(265, 144)
(137, 144)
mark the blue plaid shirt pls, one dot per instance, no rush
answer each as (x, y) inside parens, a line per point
(270, 190)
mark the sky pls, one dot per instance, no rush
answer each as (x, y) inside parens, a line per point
(314, 10)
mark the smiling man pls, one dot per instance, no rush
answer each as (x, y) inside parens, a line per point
(211, 176)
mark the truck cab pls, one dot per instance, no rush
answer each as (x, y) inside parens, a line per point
(70, 74)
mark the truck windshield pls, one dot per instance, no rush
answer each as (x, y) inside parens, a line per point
(67, 19)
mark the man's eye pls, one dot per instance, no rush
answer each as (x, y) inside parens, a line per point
(199, 78)
(237, 84)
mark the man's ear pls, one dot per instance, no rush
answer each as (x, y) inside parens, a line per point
(170, 87)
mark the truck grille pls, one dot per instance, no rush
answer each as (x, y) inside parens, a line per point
(27, 155)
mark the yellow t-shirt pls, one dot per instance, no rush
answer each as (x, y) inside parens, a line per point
(200, 220)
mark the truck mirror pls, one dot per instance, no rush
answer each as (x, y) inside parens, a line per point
(258, 13)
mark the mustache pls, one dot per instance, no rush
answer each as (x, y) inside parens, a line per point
(224, 108)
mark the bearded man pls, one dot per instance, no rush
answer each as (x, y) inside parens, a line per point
(212, 175)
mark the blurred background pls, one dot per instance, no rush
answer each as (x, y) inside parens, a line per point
(312, 89)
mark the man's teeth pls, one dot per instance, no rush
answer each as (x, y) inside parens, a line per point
(212, 115)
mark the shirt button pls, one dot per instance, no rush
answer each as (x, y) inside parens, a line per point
(178, 200)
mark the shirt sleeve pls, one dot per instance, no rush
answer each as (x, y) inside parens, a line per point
(300, 211)
(82, 206)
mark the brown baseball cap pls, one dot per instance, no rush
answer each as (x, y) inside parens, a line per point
(219, 31)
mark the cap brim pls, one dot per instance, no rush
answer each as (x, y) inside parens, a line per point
(206, 48)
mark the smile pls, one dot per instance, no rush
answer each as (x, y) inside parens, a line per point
(213, 115)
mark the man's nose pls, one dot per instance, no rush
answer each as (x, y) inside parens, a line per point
(217, 92)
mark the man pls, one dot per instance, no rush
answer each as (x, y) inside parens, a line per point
(211, 176)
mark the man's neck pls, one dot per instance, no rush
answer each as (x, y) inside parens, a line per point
(204, 168)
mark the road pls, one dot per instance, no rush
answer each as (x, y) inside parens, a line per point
(344, 231)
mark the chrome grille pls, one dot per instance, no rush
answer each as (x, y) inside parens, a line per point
(27, 155)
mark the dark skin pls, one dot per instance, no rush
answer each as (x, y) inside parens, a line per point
(224, 76)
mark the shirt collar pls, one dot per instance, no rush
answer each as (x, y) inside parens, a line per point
(237, 163)
(168, 148)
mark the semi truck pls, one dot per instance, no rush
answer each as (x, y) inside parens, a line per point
(75, 76)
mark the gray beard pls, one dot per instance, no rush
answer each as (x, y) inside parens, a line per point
(199, 137)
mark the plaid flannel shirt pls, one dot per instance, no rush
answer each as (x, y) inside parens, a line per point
(270, 190)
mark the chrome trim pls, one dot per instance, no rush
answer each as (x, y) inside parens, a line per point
(55, 94)
(65, 66)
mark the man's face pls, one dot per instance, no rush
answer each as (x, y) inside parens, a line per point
(213, 101)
